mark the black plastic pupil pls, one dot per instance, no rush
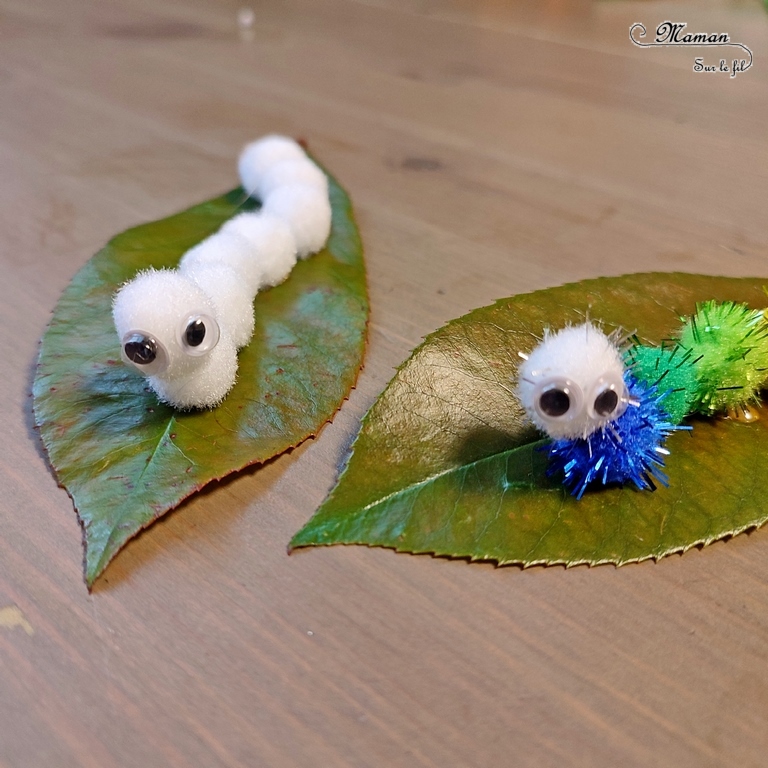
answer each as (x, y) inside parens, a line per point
(606, 402)
(195, 333)
(554, 402)
(140, 350)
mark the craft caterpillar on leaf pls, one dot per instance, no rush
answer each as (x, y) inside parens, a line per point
(606, 432)
(606, 426)
(181, 328)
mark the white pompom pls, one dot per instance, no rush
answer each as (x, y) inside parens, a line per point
(207, 386)
(288, 172)
(307, 212)
(272, 242)
(157, 302)
(259, 156)
(156, 306)
(232, 301)
(230, 248)
(573, 383)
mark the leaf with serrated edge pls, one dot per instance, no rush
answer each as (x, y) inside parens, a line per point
(446, 463)
(126, 459)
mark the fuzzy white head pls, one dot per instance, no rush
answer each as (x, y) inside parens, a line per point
(572, 384)
(169, 332)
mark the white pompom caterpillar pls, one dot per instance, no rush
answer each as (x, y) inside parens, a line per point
(182, 328)
(572, 384)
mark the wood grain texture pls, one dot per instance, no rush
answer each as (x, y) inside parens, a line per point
(490, 149)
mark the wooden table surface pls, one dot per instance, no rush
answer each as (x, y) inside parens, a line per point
(489, 151)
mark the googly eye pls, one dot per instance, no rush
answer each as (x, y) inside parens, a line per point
(608, 398)
(198, 334)
(558, 399)
(144, 352)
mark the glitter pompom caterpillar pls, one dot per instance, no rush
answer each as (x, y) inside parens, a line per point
(181, 328)
(608, 433)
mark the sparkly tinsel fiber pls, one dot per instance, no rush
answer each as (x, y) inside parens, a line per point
(630, 449)
(728, 343)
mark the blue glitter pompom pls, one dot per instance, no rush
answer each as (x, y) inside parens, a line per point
(630, 449)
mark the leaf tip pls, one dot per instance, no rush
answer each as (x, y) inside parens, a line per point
(95, 566)
(298, 541)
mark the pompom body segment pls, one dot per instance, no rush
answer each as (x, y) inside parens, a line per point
(272, 242)
(204, 387)
(628, 450)
(289, 172)
(728, 345)
(232, 301)
(259, 157)
(669, 370)
(307, 211)
(228, 248)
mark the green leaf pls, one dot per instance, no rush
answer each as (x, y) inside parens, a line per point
(125, 458)
(446, 463)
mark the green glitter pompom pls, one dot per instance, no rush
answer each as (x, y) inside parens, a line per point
(670, 370)
(728, 346)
